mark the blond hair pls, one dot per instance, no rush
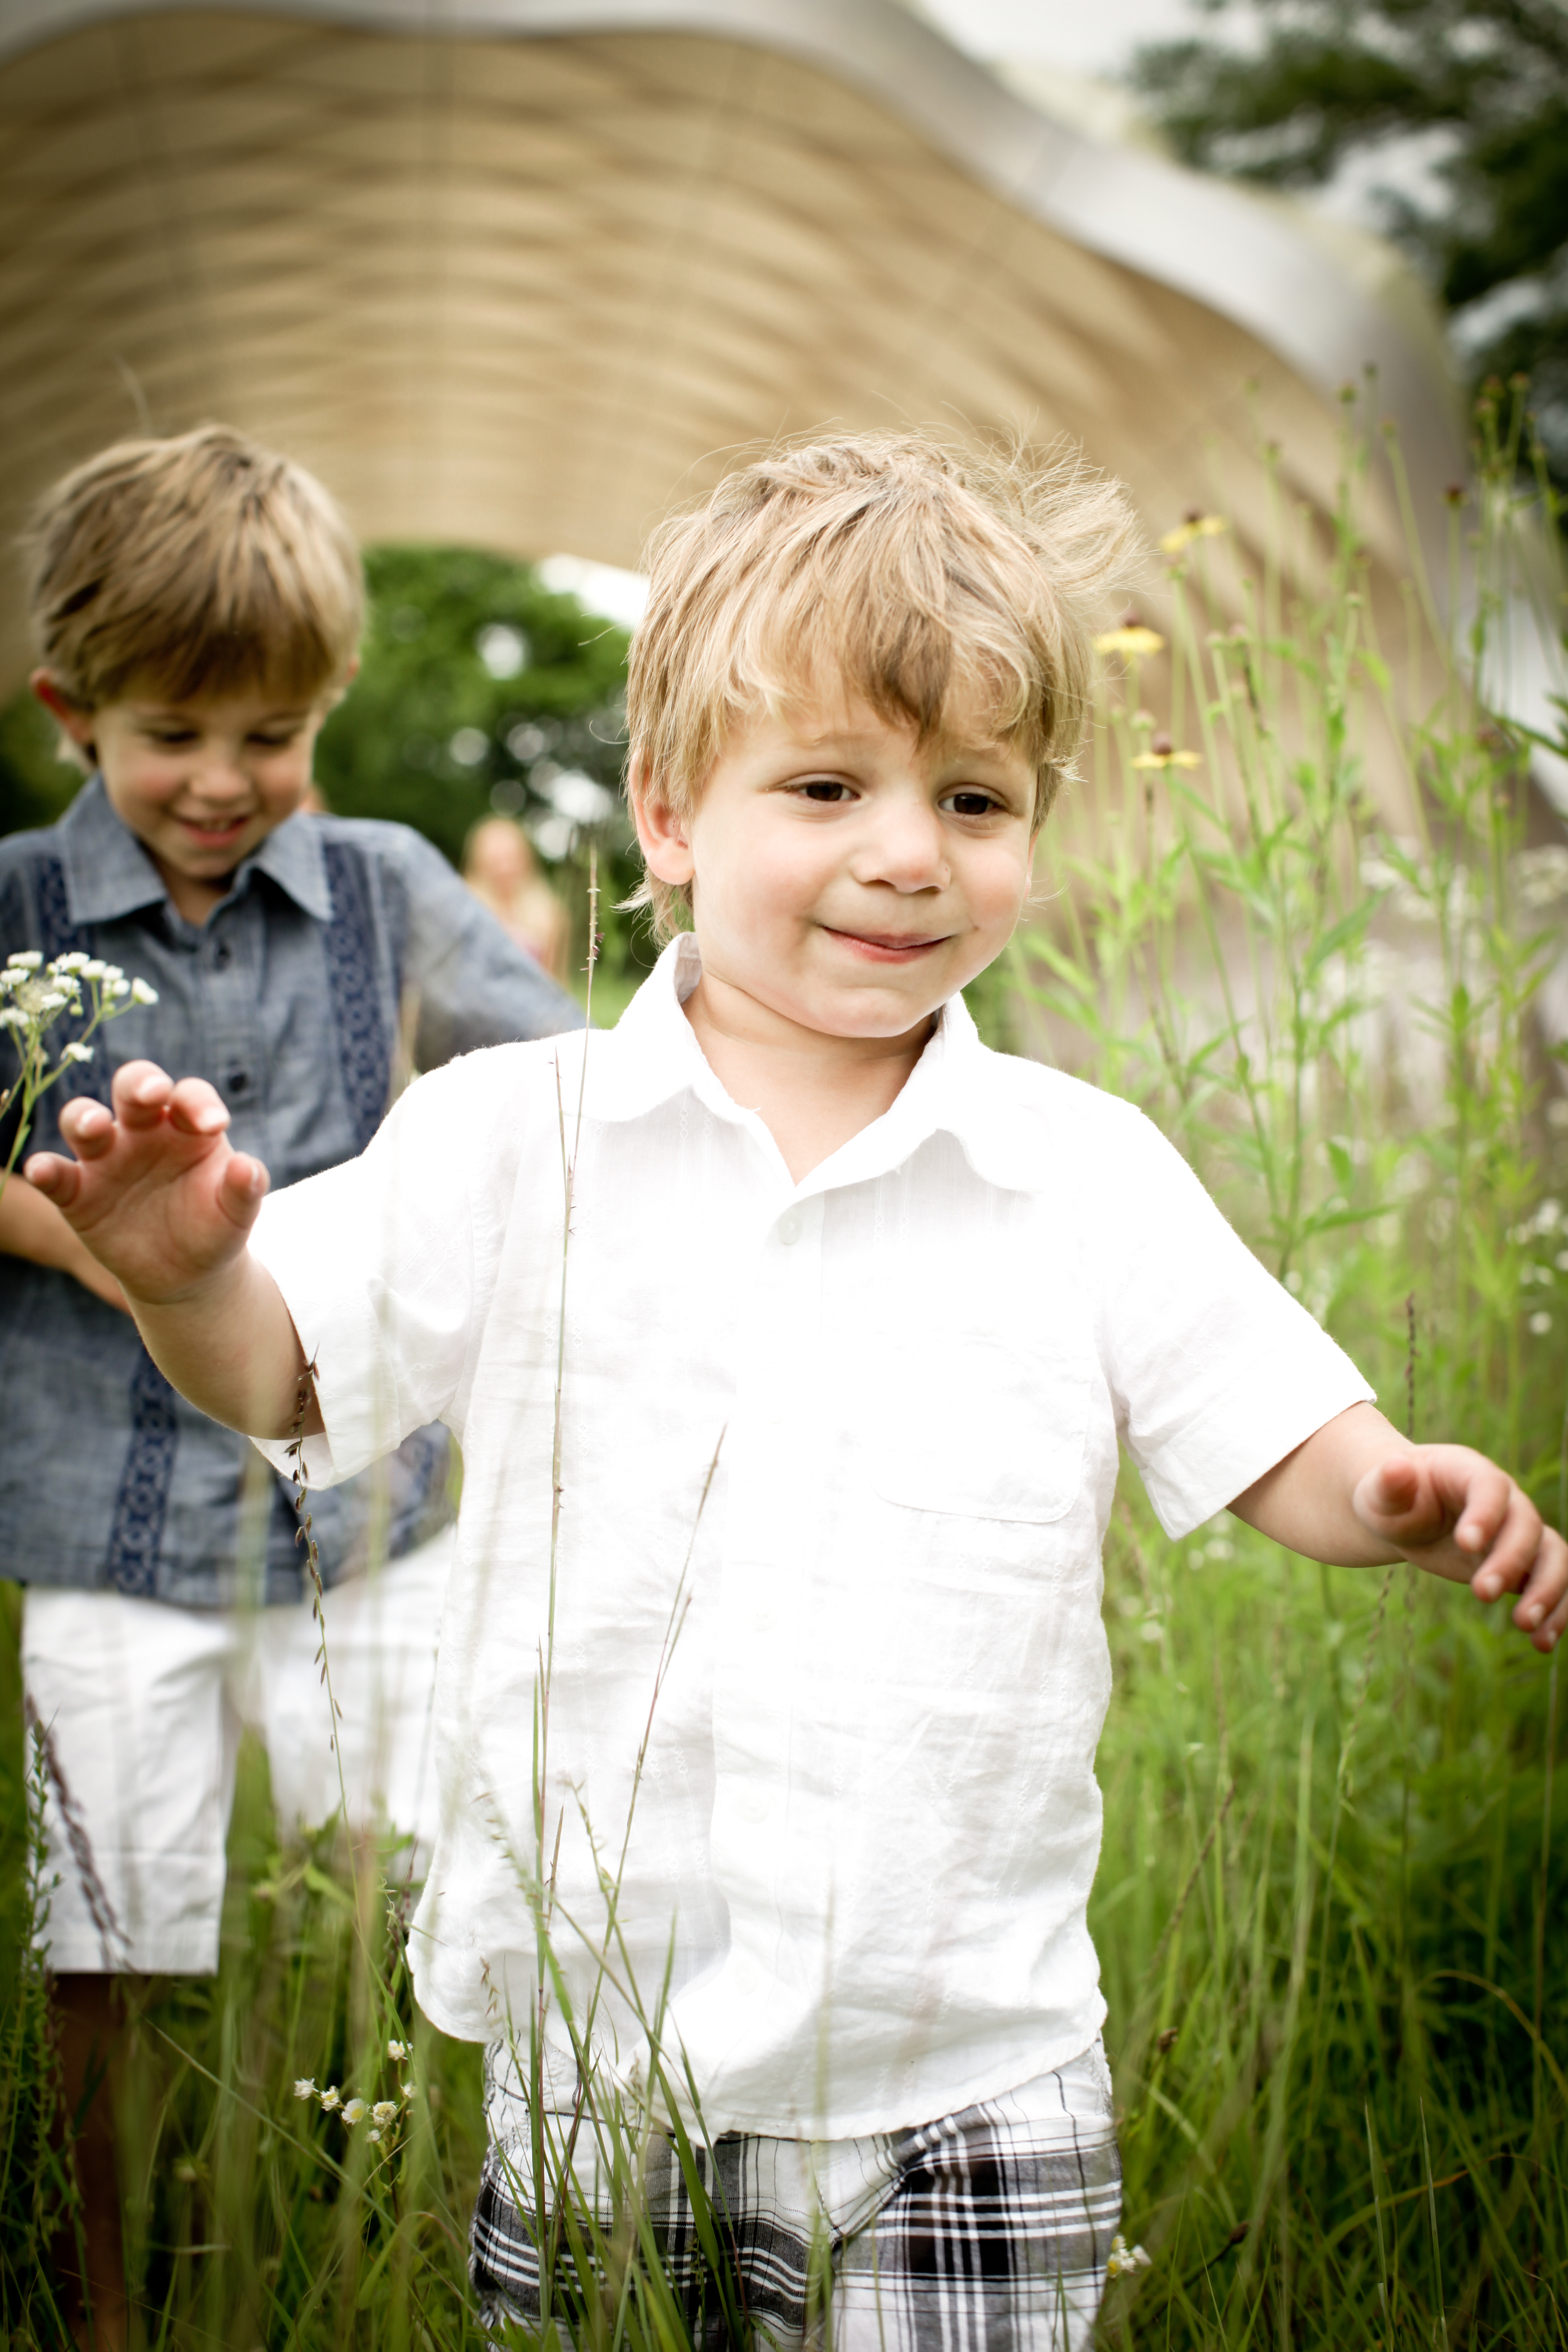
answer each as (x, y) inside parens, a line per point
(920, 576)
(199, 564)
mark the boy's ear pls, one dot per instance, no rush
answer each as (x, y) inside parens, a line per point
(76, 722)
(661, 834)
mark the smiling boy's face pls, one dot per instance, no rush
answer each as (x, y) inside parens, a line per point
(202, 783)
(844, 875)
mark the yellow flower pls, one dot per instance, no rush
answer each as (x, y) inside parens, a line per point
(1132, 637)
(1192, 526)
(1163, 753)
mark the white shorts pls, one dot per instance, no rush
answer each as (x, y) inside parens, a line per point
(144, 1705)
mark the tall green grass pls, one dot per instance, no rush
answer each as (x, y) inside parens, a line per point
(1330, 1907)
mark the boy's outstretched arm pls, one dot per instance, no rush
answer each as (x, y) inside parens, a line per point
(162, 1200)
(1359, 1494)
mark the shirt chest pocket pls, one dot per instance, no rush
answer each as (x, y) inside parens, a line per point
(982, 1429)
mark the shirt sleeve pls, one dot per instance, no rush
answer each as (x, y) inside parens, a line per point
(1216, 1371)
(380, 1264)
(473, 986)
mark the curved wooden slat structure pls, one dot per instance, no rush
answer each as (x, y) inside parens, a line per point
(516, 273)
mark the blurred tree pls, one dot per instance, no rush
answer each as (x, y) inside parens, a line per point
(479, 690)
(1483, 83)
(37, 783)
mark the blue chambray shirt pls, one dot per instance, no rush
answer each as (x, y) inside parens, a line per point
(340, 940)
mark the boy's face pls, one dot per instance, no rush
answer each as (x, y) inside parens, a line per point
(845, 876)
(200, 784)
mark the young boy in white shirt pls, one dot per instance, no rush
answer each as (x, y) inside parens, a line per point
(852, 1316)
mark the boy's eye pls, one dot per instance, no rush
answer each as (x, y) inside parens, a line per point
(970, 804)
(825, 788)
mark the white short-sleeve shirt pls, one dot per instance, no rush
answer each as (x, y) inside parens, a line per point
(868, 1670)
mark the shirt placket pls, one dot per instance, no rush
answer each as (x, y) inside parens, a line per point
(759, 1636)
(230, 997)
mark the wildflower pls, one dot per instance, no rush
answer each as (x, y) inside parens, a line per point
(1132, 637)
(306, 2089)
(1540, 1324)
(53, 1000)
(1163, 753)
(330, 2097)
(373, 2134)
(73, 964)
(141, 994)
(383, 2111)
(409, 2090)
(117, 987)
(355, 2112)
(112, 972)
(11, 1019)
(74, 1052)
(94, 967)
(25, 960)
(186, 2171)
(396, 2051)
(1193, 525)
(1125, 2259)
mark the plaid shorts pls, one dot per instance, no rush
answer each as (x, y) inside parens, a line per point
(986, 2231)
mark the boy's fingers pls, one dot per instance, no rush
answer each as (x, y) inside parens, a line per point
(197, 1108)
(57, 1177)
(87, 1126)
(242, 1187)
(1512, 1554)
(140, 1092)
(1546, 1594)
(1396, 1500)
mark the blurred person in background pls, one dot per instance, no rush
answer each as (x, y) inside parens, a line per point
(501, 869)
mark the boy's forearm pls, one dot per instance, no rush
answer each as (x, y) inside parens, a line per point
(31, 1227)
(1305, 1501)
(230, 1347)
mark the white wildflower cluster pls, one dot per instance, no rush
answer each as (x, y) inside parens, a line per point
(33, 996)
(1125, 2260)
(383, 2114)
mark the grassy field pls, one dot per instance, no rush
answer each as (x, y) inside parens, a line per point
(1329, 1909)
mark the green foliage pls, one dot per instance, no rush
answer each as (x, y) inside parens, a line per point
(403, 742)
(1487, 77)
(429, 735)
(36, 785)
(1326, 1906)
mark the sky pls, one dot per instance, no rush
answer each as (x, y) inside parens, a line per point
(1096, 38)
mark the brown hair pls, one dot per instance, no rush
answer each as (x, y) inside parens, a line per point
(917, 574)
(200, 564)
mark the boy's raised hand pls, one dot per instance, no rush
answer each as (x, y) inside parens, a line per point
(155, 1191)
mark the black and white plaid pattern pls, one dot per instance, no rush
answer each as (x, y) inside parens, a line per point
(986, 2231)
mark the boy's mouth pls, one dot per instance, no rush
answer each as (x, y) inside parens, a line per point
(884, 947)
(211, 832)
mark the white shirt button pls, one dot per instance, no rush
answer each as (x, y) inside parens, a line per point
(789, 1229)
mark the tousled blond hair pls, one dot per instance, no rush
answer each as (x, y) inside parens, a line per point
(918, 576)
(198, 564)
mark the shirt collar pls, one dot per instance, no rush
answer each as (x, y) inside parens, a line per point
(652, 1054)
(109, 873)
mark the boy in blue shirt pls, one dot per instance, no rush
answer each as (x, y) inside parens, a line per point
(197, 606)
(855, 1320)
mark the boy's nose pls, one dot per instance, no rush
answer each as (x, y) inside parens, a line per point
(906, 849)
